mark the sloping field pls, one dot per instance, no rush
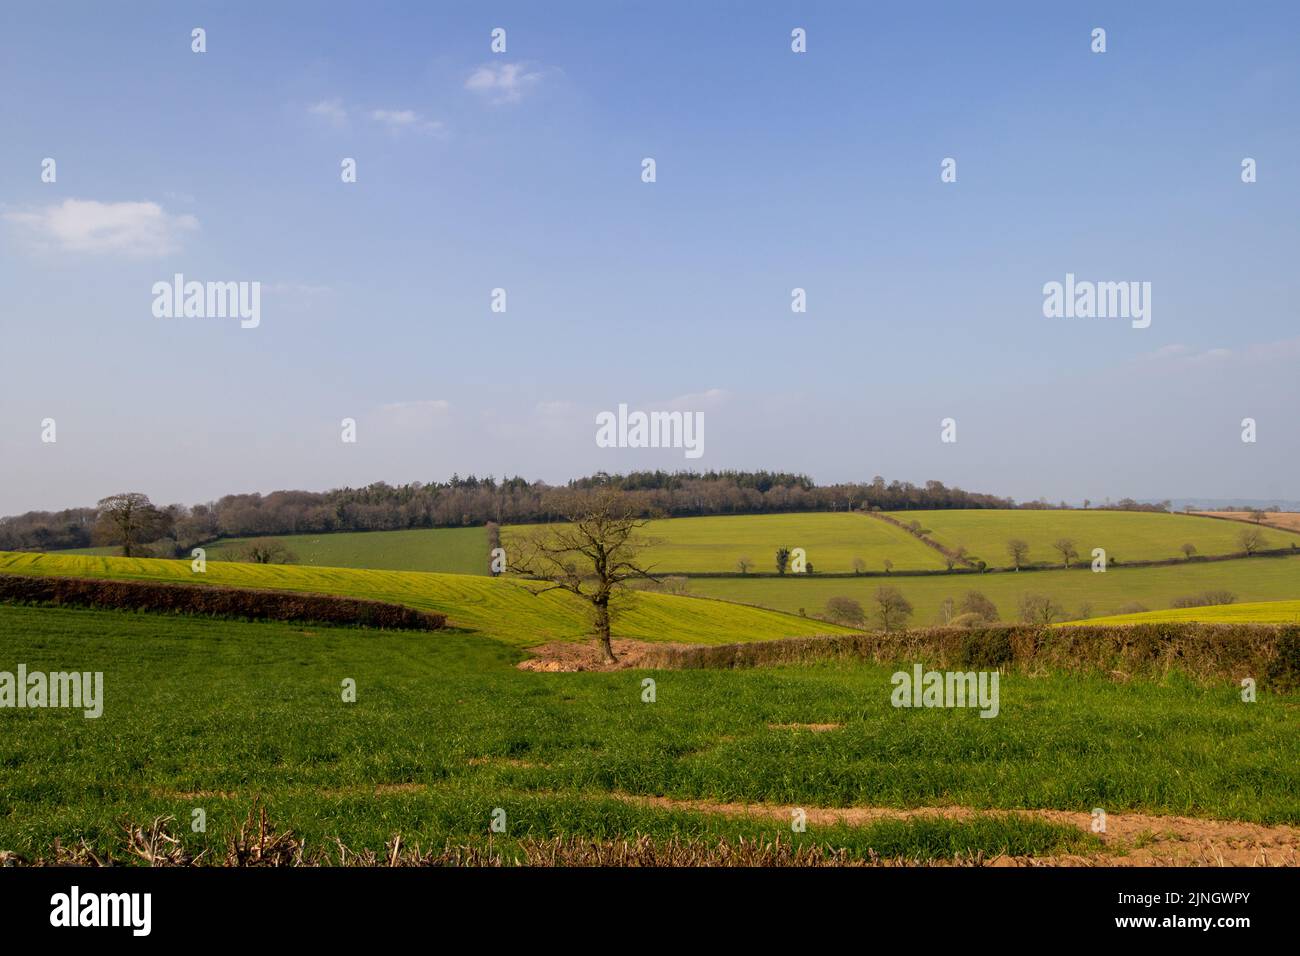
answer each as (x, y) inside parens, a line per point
(1250, 579)
(1126, 535)
(831, 539)
(502, 609)
(450, 550)
(1261, 612)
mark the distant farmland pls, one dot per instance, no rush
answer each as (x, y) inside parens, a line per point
(1251, 579)
(1126, 535)
(831, 539)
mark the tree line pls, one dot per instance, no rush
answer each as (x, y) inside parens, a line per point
(470, 501)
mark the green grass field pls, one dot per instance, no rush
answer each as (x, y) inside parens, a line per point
(211, 714)
(1262, 612)
(449, 550)
(1128, 536)
(1251, 579)
(831, 540)
(499, 608)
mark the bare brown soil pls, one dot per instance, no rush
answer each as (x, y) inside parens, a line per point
(1282, 520)
(1131, 839)
(571, 656)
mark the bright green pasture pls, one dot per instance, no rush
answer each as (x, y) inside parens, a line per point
(211, 714)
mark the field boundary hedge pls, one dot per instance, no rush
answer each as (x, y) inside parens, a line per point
(1211, 653)
(255, 604)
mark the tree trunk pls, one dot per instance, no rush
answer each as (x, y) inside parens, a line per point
(602, 629)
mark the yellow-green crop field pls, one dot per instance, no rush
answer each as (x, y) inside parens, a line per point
(1261, 612)
(831, 541)
(503, 609)
(1126, 535)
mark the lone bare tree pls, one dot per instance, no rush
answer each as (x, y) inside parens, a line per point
(593, 555)
(130, 520)
(744, 565)
(892, 609)
(1067, 550)
(1251, 540)
(1188, 550)
(1018, 550)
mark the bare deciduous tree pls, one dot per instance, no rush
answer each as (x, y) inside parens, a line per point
(859, 565)
(592, 556)
(1019, 550)
(744, 565)
(130, 520)
(892, 609)
(1066, 549)
(264, 552)
(1040, 609)
(1251, 540)
(1188, 550)
(845, 610)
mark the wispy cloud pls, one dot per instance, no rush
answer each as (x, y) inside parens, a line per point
(89, 226)
(503, 82)
(332, 112)
(398, 121)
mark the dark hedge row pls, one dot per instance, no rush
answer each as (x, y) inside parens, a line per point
(1269, 653)
(248, 603)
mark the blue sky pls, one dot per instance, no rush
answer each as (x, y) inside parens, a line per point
(521, 170)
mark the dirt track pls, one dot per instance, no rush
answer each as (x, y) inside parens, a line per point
(1131, 839)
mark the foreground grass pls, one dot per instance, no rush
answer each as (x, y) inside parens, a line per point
(208, 714)
(1126, 535)
(1251, 579)
(503, 609)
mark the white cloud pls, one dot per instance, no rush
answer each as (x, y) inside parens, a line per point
(503, 82)
(86, 225)
(331, 111)
(400, 120)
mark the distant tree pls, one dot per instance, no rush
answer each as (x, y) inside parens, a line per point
(947, 611)
(1085, 610)
(1019, 550)
(914, 526)
(745, 564)
(859, 565)
(1251, 540)
(1065, 547)
(891, 608)
(1132, 607)
(977, 604)
(268, 551)
(593, 555)
(1040, 609)
(845, 610)
(1188, 550)
(129, 520)
(782, 560)
(889, 565)
(808, 567)
(1257, 515)
(1086, 503)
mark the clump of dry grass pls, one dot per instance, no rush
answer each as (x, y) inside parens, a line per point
(258, 843)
